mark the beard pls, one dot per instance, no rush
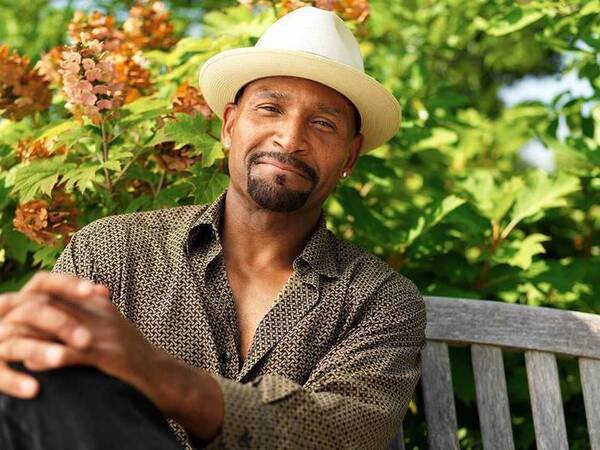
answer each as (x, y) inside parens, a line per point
(275, 194)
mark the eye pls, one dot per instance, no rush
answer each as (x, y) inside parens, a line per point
(269, 108)
(325, 124)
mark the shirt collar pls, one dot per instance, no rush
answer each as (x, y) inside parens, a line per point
(320, 251)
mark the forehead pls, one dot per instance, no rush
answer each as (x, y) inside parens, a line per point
(296, 90)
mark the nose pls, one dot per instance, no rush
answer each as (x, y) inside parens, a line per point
(291, 134)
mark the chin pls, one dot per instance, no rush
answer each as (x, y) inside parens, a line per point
(274, 195)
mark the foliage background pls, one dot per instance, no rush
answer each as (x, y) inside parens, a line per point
(448, 202)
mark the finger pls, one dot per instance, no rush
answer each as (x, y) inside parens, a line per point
(17, 384)
(8, 301)
(9, 330)
(62, 285)
(39, 353)
(49, 318)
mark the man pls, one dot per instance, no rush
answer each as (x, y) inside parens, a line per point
(247, 323)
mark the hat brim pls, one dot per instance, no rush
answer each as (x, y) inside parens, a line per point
(225, 73)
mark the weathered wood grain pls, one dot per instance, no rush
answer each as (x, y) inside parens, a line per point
(438, 397)
(546, 402)
(492, 398)
(513, 326)
(589, 370)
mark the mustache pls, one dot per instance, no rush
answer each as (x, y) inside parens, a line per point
(284, 158)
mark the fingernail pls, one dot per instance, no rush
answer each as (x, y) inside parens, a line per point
(85, 287)
(28, 387)
(81, 336)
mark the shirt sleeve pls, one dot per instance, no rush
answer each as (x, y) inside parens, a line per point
(355, 398)
(75, 259)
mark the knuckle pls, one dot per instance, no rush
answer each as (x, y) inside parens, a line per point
(39, 277)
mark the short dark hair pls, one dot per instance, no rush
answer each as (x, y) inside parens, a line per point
(355, 113)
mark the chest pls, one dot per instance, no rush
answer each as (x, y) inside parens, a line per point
(254, 295)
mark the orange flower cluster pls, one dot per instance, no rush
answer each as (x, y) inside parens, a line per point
(28, 150)
(357, 10)
(131, 73)
(174, 159)
(95, 26)
(148, 26)
(124, 53)
(89, 81)
(23, 91)
(189, 100)
(48, 223)
(49, 64)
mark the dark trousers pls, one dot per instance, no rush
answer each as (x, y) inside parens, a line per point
(82, 408)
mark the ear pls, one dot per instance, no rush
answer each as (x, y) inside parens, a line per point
(354, 153)
(229, 115)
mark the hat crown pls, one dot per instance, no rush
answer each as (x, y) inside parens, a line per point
(314, 31)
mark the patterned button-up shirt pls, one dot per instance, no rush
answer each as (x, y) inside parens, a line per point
(333, 363)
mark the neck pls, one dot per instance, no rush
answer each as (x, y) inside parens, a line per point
(256, 238)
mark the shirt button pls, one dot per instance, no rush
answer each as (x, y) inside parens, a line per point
(225, 357)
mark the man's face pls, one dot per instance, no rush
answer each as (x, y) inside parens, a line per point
(290, 139)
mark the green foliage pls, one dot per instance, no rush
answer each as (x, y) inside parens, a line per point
(448, 202)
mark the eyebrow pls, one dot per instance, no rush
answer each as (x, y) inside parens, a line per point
(329, 109)
(278, 95)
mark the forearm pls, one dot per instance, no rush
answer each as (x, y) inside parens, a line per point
(188, 395)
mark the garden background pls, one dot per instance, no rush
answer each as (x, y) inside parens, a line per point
(480, 194)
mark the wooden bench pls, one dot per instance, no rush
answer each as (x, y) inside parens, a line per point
(488, 328)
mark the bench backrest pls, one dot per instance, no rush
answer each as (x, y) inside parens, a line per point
(488, 327)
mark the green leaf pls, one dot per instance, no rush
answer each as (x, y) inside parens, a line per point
(592, 7)
(542, 193)
(143, 108)
(17, 245)
(212, 154)
(439, 137)
(112, 165)
(516, 19)
(492, 201)
(208, 184)
(39, 176)
(519, 253)
(60, 128)
(46, 257)
(171, 195)
(82, 176)
(192, 129)
(433, 214)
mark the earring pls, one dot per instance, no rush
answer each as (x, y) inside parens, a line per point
(226, 144)
(344, 174)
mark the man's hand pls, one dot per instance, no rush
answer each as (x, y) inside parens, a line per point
(58, 320)
(39, 291)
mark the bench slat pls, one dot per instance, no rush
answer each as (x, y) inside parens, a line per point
(492, 398)
(438, 397)
(513, 326)
(546, 402)
(589, 371)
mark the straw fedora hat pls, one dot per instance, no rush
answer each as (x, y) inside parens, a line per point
(308, 43)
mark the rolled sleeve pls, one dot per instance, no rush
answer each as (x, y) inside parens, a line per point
(355, 398)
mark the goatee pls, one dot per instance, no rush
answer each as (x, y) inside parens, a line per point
(275, 194)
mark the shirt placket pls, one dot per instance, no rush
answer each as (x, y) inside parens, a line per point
(224, 313)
